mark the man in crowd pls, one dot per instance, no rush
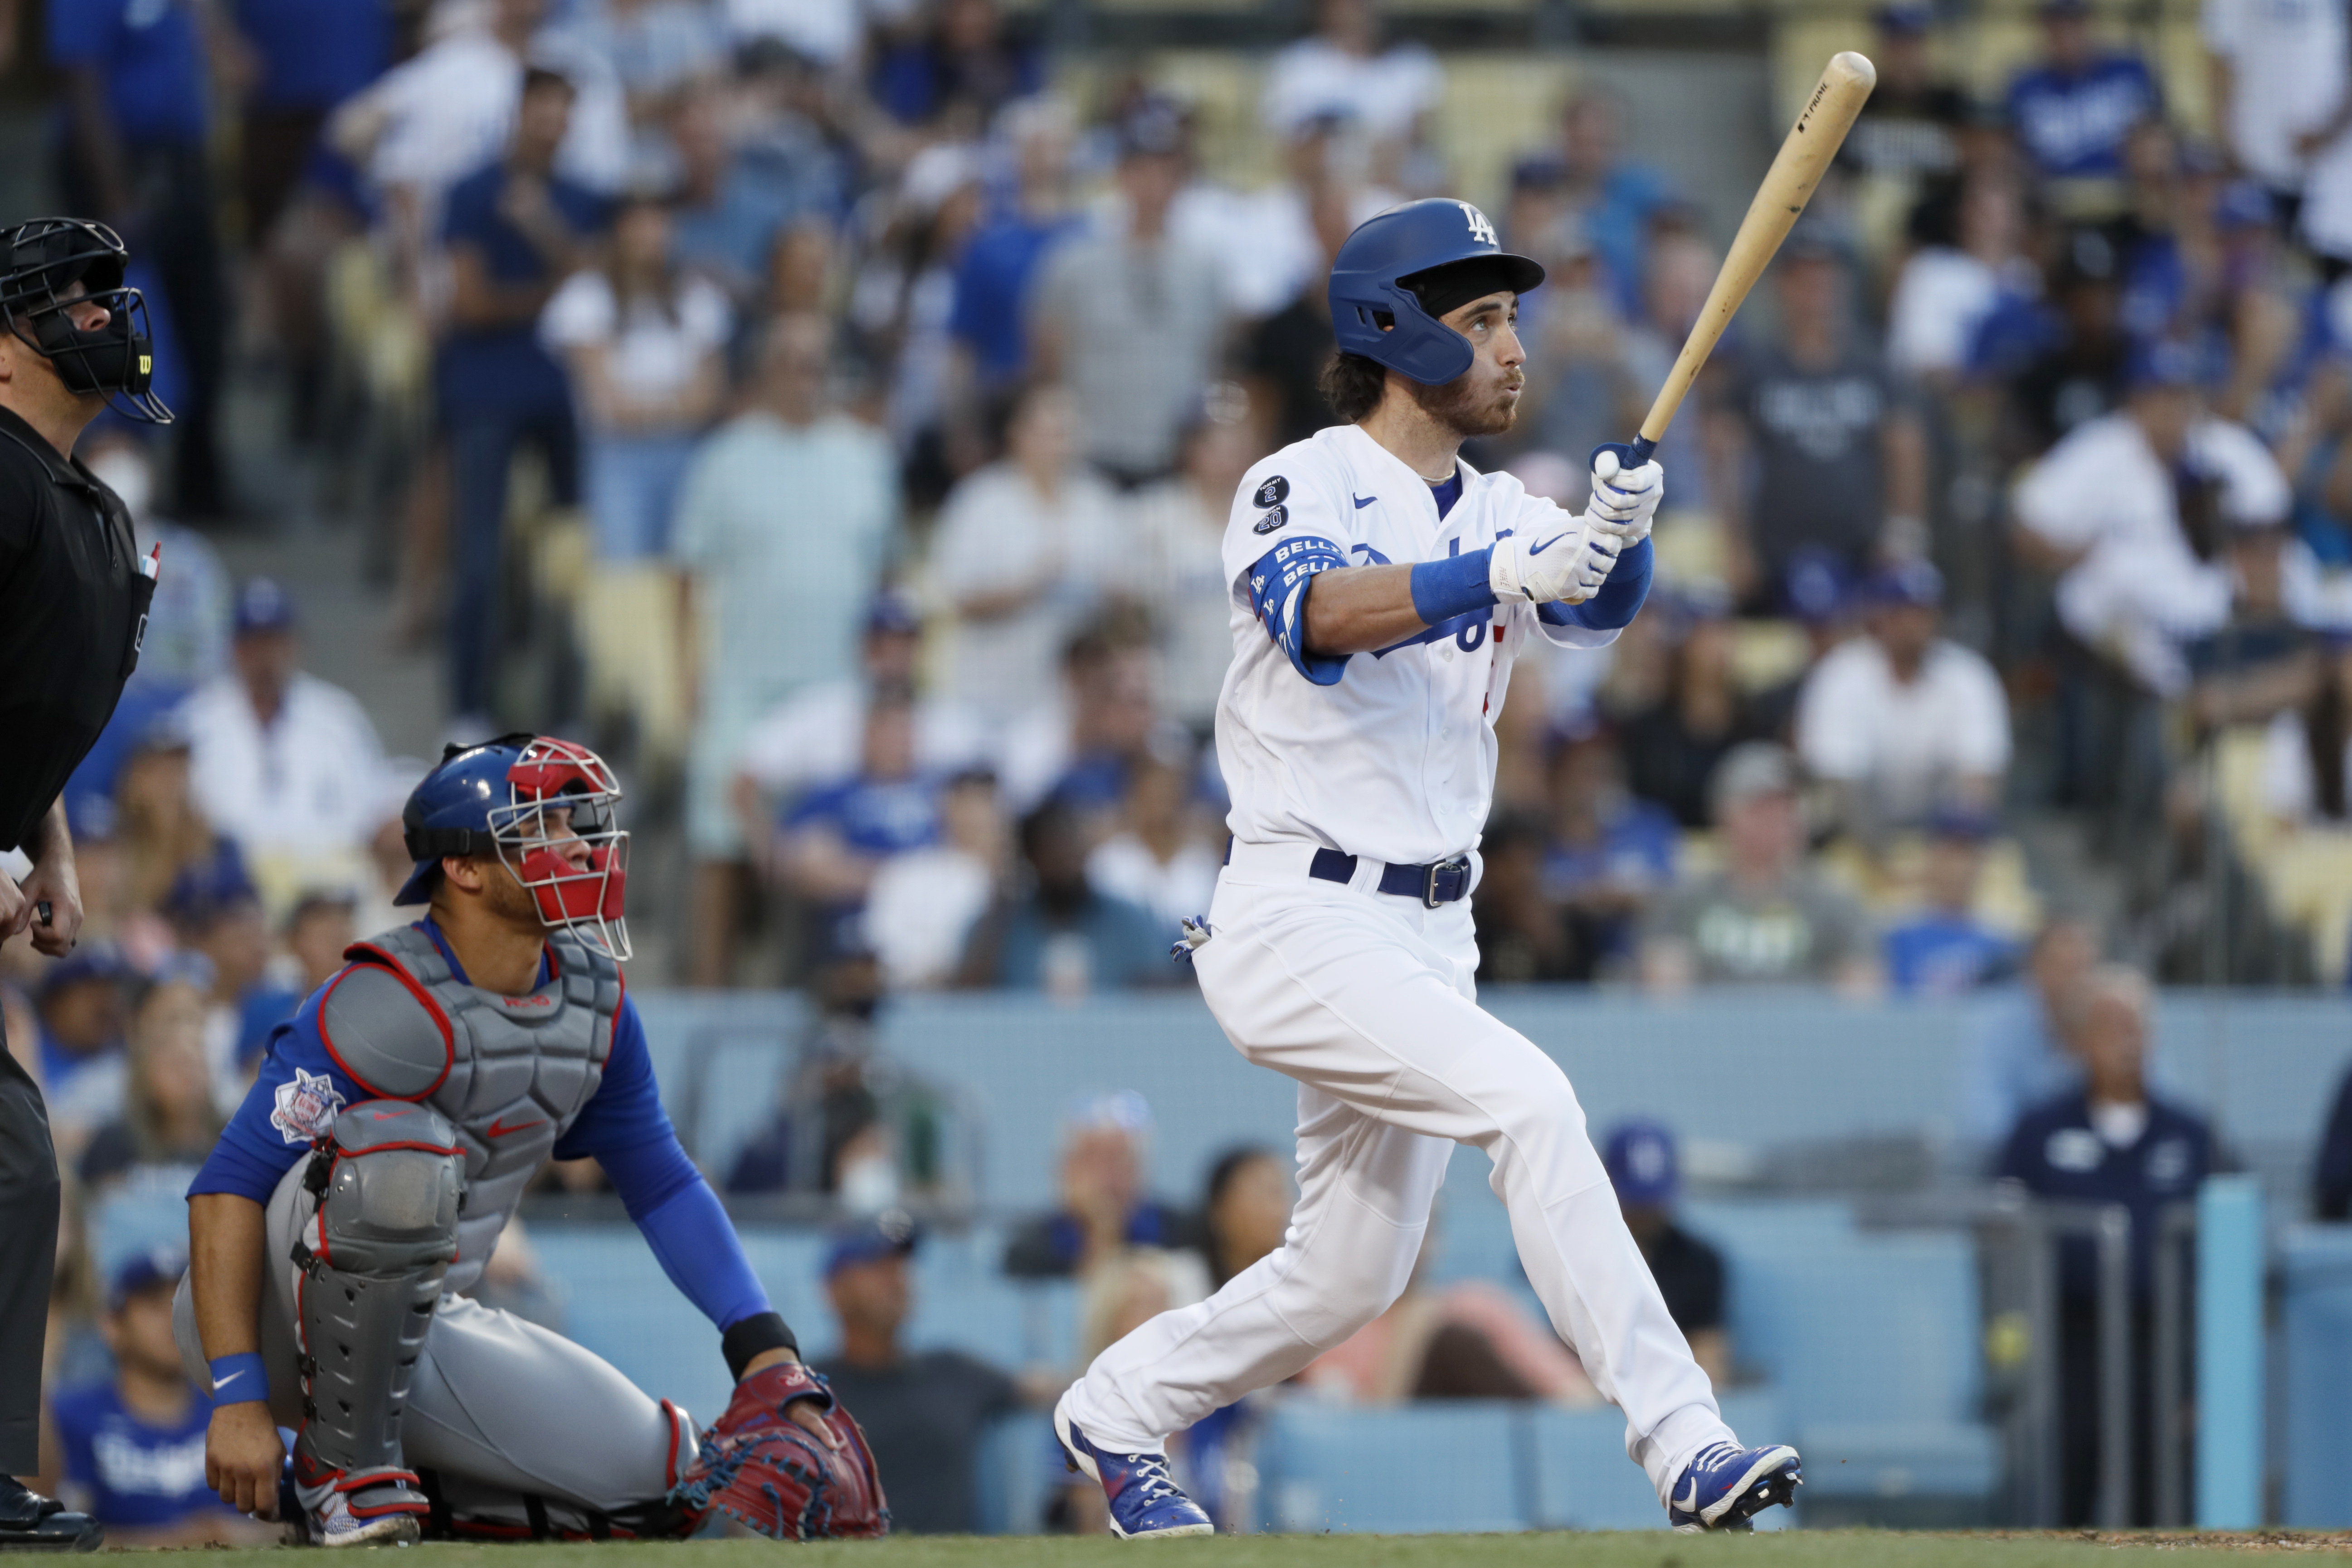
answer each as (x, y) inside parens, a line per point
(924, 1411)
(1103, 1207)
(2111, 1141)
(286, 763)
(1646, 1171)
(1062, 934)
(1944, 949)
(134, 1446)
(2073, 113)
(1766, 916)
(768, 597)
(1839, 461)
(1133, 319)
(514, 231)
(1901, 722)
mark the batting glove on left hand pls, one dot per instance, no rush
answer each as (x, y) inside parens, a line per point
(1624, 499)
(1568, 561)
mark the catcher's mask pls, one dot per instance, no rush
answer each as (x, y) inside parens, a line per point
(41, 263)
(547, 809)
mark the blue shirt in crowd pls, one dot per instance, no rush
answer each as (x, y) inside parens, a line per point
(992, 291)
(133, 1474)
(624, 1126)
(505, 371)
(2057, 1153)
(873, 816)
(2073, 126)
(1636, 850)
(1940, 955)
(315, 53)
(149, 55)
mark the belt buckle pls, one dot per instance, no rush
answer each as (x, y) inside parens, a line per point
(1429, 899)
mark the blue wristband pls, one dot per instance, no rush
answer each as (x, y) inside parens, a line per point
(1454, 586)
(239, 1378)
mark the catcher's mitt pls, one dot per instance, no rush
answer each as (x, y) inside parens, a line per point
(768, 1473)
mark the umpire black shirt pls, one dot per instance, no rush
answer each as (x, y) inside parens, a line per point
(73, 608)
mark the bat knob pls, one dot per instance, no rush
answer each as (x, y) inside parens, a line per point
(1630, 454)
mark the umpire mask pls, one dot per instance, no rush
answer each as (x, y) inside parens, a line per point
(41, 262)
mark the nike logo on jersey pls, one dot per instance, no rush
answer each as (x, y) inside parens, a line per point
(1547, 545)
(1361, 502)
(499, 1128)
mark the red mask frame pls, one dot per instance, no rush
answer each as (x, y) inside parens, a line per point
(584, 897)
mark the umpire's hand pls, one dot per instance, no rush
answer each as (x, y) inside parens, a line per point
(53, 888)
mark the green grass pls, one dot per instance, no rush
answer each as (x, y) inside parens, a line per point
(1827, 1549)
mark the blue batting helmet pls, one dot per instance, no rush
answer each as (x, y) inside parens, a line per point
(1379, 285)
(491, 799)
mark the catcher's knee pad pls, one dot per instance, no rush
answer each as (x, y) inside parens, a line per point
(388, 1185)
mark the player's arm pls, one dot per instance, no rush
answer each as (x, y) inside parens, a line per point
(629, 1133)
(227, 1236)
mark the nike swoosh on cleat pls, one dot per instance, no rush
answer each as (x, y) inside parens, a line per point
(1547, 545)
(1361, 502)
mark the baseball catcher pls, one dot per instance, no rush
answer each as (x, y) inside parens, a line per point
(366, 1178)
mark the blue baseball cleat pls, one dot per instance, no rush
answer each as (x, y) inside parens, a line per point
(1725, 1486)
(1146, 1504)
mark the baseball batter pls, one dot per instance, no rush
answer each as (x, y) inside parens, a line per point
(367, 1176)
(1382, 590)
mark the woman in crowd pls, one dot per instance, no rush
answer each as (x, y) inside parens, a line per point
(169, 1120)
(647, 347)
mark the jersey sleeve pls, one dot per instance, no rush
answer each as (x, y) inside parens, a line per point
(1293, 519)
(293, 1100)
(625, 1128)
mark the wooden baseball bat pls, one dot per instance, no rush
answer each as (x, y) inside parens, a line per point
(1787, 184)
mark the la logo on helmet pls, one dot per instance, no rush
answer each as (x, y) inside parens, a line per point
(1480, 229)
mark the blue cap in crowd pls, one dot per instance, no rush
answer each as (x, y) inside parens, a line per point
(159, 1268)
(890, 1234)
(1817, 585)
(1640, 1158)
(91, 961)
(206, 889)
(1906, 18)
(893, 611)
(263, 607)
(1915, 583)
(1961, 824)
(2161, 362)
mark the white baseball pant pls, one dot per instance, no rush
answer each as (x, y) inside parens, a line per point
(1367, 1000)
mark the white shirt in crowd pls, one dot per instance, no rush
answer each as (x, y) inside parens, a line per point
(814, 737)
(2287, 64)
(920, 910)
(310, 783)
(2139, 591)
(997, 533)
(1175, 889)
(1265, 240)
(1902, 740)
(651, 352)
(1382, 96)
(1940, 300)
(1174, 563)
(1397, 759)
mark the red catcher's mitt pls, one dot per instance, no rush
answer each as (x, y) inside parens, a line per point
(769, 1474)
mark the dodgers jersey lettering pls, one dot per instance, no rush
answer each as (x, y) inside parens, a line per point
(1395, 757)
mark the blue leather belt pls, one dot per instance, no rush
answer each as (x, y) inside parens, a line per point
(1434, 884)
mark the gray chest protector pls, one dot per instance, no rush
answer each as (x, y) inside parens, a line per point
(510, 1074)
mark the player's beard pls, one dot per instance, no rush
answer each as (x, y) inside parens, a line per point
(508, 898)
(1468, 409)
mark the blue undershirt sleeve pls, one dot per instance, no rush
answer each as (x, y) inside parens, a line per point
(1619, 601)
(629, 1133)
(1277, 587)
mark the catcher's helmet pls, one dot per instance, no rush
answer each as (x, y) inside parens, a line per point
(41, 260)
(1374, 310)
(496, 799)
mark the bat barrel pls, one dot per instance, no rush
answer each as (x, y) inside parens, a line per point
(1804, 156)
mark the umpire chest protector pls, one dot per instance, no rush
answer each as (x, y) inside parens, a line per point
(509, 1073)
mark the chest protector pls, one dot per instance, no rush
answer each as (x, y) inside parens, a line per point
(511, 1074)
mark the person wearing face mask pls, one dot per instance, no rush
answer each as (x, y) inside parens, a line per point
(74, 598)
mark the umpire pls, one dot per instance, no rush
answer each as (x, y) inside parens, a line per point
(74, 593)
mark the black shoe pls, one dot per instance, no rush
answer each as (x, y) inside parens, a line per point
(31, 1522)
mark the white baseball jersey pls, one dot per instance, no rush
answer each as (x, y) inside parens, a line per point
(1396, 760)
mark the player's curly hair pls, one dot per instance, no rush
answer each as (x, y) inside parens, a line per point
(1351, 384)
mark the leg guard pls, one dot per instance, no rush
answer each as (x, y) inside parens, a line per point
(386, 1186)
